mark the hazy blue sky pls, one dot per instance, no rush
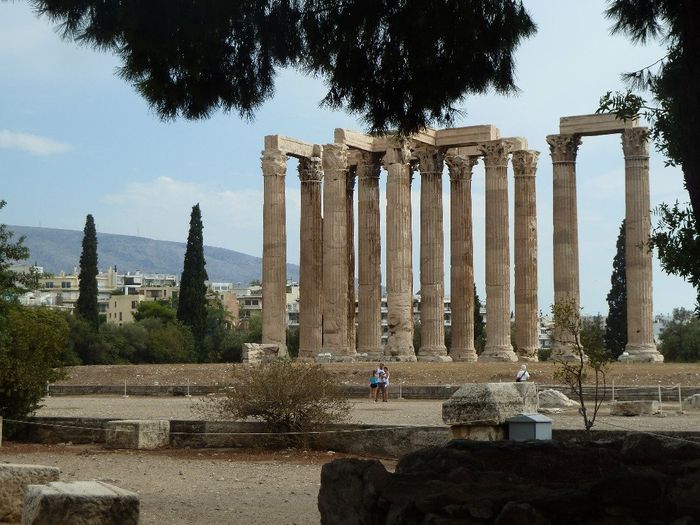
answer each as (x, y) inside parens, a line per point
(75, 139)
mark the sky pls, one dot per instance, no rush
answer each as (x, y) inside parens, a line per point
(76, 139)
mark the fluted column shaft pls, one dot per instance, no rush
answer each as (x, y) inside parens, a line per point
(461, 258)
(640, 311)
(563, 149)
(526, 325)
(369, 329)
(432, 258)
(498, 346)
(274, 275)
(399, 263)
(335, 252)
(350, 221)
(310, 258)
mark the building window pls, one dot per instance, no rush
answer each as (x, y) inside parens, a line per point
(120, 316)
(65, 284)
(49, 284)
(133, 305)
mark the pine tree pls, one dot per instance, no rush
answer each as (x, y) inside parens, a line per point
(479, 325)
(616, 324)
(192, 300)
(86, 307)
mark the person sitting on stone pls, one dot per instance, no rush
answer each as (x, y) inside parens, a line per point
(522, 374)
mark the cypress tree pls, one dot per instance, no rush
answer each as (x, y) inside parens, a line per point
(479, 325)
(616, 324)
(192, 301)
(86, 307)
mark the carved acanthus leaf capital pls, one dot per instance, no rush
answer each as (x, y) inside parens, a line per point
(335, 157)
(525, 163)
(635, 142)
(430, 159)
(461, 166)
(563, 148)
(368, 166)
(496, 153)
(397, 155)
(311, 169)
(274, 163)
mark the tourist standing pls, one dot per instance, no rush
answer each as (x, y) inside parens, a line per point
(373, 380)
(386, 385)
(522, 374)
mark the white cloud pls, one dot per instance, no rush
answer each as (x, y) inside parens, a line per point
(30, 143)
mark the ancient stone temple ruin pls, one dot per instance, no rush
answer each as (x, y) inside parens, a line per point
(328, 174)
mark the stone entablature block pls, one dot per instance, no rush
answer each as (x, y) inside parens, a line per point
(138, 433)
(597, 124)
(483, 404)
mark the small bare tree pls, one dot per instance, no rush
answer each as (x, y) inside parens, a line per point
(590, 361)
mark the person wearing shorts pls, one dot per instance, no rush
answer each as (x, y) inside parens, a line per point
(373, 381)
(381, 385)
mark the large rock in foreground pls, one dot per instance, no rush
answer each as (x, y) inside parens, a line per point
(507, 483)
(14, 479)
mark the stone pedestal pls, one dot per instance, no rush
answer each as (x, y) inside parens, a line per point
(498, 346)
(432, 273)
(274, 274)
(563, 149)
(310, 257)
(137, 433)
(526, 324)
(399, 261)
(640, 312)
(335, 253)
(369, 329)
(461, 258)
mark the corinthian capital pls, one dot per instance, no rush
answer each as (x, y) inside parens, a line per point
(635, 142)
(310, 169)
(495, 153)
(525, 163)
(274, 163)
(335, 157)
(401, 154)
(430, 159)
(563, 148)
(460, 166)
(368, 166)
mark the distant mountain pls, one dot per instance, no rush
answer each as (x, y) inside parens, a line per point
(59, 250)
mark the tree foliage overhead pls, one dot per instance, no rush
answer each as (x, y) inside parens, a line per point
(86, 306)
(400, 64)
(192, 300)
(673, 80)
(616, 323)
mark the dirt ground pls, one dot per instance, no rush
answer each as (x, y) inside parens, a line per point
(687, 374)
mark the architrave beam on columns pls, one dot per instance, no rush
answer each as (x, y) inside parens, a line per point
(292, 147)
(597, 124)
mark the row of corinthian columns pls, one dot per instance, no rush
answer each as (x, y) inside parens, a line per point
(327, 302)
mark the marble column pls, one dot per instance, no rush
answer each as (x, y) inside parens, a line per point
(563, 149)
(274, 274)
(399, 346)
(432, 257)
(640, 311)
(498, 345)
(461, 257)
(310, 258)
(350, 222)
(526, 324)
(369, 329)
(335, 252)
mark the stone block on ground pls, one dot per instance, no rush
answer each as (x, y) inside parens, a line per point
(554, 399)
(255, 354)
(692, 401)
(14, 479)
(489, 403)
(137, 433)
(634, 408)
(80, 502)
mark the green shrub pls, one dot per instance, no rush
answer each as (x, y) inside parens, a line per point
(287, 396)
(30, 357)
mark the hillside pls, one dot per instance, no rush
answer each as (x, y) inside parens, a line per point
(59, 250)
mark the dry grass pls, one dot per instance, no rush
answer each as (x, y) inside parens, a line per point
(687, 374)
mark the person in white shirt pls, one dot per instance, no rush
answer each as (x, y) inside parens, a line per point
(522, 375)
